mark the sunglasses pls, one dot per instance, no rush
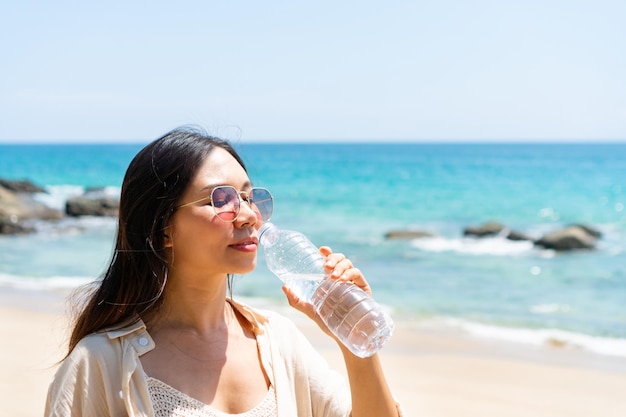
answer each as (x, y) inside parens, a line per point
(226, 202)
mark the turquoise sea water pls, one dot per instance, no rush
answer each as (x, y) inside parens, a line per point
(348, 196)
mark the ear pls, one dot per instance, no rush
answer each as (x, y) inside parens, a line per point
(168, 242)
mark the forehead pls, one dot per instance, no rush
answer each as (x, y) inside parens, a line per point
(219, 168)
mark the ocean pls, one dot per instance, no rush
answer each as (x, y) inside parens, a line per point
(348, 196)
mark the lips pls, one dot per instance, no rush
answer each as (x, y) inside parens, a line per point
(248, 244)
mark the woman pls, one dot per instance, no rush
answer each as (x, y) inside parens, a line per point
(158, 334)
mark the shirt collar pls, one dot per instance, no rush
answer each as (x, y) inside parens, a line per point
(256, 319)
(138, 336)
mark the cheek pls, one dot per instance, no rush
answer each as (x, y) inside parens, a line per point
(194, 229)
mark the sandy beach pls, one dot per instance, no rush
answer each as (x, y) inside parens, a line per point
(432, 372)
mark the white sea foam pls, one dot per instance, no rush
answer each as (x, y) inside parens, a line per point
(550, 308)
(544, 337)
(56, 195)
(74, 225)
(535, 337)
(498, 246)
(42, 284)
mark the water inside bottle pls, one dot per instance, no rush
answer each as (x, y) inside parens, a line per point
(303, 285)
(353, 316)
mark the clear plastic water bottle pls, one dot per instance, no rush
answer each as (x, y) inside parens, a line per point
(348, 311)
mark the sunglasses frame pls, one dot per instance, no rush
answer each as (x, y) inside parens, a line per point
(243, 195)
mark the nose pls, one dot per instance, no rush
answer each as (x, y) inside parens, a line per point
(247, 216)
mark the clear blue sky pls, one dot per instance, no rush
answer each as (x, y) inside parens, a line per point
(314, 70)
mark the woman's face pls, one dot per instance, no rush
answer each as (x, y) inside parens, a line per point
(200, 241)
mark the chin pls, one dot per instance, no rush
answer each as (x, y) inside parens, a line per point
(244, 269)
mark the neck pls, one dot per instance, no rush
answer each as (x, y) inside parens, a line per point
(198, 305)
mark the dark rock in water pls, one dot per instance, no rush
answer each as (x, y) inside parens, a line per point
(12, 226)
(407, 234)
(494, 229)
(590, 230)
(517, 236)
(19, 207)
(569, 238)
(16, 207)
(94, 190)
(90, 206)
(487, 229)
(21, 186)
(37, 210)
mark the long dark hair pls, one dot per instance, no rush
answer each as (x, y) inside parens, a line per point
(133, 283)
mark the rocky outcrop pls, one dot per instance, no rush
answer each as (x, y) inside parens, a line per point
(18, 207)
(407, 234)
(21, 186)
(91, 204)
(570, 238)
(589, 230)
(10, 225)
(485, 230)
(517, 236)
(494, 229)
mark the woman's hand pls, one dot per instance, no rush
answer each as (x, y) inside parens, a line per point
(337, 266)
(370, 392)
(340, 267)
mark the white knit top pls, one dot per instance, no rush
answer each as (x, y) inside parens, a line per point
(169, 402)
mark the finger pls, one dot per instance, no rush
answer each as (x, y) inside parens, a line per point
(341, 267)
(300, 305)
(355, 276)
(333, 259)
(305, 308)
(325, 251)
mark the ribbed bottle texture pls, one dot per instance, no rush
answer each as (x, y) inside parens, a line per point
(349, 312)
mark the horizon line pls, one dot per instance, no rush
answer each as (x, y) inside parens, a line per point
(590, 141)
